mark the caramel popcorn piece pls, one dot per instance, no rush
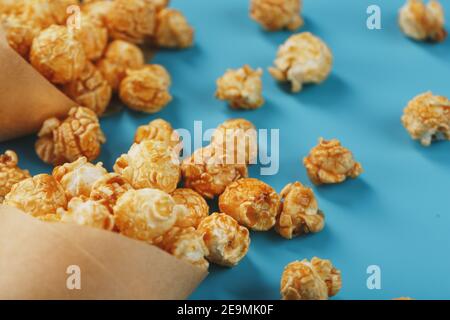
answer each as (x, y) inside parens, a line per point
(315, 280)
(38, 196)
(146, 214)
(173, 30)
(78, 177)
(57, 55)
(10, 173)
(299, 212)
(329, 162)
(226, 240)
(159, 130)
(302, 59)
(87, 212)
(132, 21)
(108, 189)
(251, 202)
(97, 10)
(231, 124)
(90, 90)
(242, 88)
(19, 33)
(275, 15)
(329, 274)
(67, 140)
(186, 244)
(146, 89)
(11, 7)
(120, 56)
(300, 281)
(423, 22)
(93, 36)
(207, 172)
(197, 207)
(238, 139)
(150, 164)
(427, 118)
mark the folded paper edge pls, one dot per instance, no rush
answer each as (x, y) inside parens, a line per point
(176, 279)
(24, 91)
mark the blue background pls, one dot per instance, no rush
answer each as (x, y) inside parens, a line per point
(396, 215)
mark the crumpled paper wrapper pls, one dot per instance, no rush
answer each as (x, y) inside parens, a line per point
(35, 256)
(27, 98)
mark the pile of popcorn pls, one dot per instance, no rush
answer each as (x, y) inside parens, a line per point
(90, 51)
(152, 195)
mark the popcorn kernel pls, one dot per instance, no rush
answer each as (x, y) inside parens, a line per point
(252, 203)
(242, 88)
(299, 212)
(302, 59)
(226, 240)
(329, 162)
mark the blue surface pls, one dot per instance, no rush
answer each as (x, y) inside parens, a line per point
(396, 215)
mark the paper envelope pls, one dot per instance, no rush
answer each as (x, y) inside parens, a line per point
(37, 259)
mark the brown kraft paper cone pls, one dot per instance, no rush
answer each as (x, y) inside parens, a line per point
(27, 98)
(35, 257)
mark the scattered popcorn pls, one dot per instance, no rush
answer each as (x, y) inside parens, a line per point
(238, 139)
(38, 196)
(277, 14)
(86, 212)
(329, 162)
(93, 36)
(90, 90)
(146, 214)
(19, 33)
(315, 280)
(146, 89)
(197, 207)
(299, 212)
(403, 298)
(186, 244)
(108, 189)
(10, 173)
(97, 10)
(132, 21)
(252, 203)
(242, 88)
(67, 140)
(208, 173)
(427, 118)
(226, 240)
(57, 55)
(302, 59)
(159, 130)
(119, 56)
(150, 164)
(78, 177)
(423, 22)
(173, 30)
